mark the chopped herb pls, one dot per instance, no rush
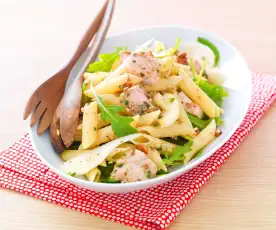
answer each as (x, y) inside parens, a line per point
(95, 129)
(178, 154)
(160, 116)
(212, 47)
(149, 174)
(172, 100)
(155, 125)
(105, 61)
(126, 102)
(159, 149)
(120, 165)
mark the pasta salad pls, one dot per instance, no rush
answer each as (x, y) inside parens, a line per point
(146, 111)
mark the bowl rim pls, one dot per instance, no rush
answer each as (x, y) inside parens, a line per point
(185, 168)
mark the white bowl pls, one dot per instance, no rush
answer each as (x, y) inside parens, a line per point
(235, 106)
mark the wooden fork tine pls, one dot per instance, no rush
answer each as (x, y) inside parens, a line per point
(44, 122)
(31, 105)
(37, 113)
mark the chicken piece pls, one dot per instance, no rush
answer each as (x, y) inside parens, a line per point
(134, 166)
(136, 99)
(190, 106)
(143, 64)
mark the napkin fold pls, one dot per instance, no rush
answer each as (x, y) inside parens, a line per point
(155, 208)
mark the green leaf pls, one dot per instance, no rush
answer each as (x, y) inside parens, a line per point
(109, 180)
(121, 125)
(201, 124)
(177, 155)
(215, 50)
(177, 141)
(215, 92)
(72, 174)
(161, 173)
(198, 154)
(168, 52)
(105, 61)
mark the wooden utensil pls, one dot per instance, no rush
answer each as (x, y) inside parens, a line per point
(71, 102)
(47, 96)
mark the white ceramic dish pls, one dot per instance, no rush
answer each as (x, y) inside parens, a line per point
(235, 106)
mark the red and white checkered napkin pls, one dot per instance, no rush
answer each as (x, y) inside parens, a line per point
(155, 208)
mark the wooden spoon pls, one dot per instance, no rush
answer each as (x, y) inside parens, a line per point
(47, 96)
(71, 102)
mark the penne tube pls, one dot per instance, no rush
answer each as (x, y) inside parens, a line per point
(89, 125)
(180, 69)
(163, 84)
(176, 129)
(154, 156)
(95, 78)
(201, 140)
(148, 118)
(171, 114)
(114, 85)
(183, 117)
(93, 175)
(159, 101)
(190, 88)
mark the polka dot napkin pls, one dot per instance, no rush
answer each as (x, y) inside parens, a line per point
(155, 208)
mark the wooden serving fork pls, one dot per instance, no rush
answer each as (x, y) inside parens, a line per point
(65, 120)
(45, 99)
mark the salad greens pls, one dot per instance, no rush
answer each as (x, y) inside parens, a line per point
(215, 50)
(215, 92)
(121, 125)
(105, 61)
(178, 154)
(202, 124)
(168, 52)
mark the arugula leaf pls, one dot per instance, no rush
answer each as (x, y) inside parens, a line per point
(105, 61)
(106, 170)
(109, 180)
(121, 125)
(198, 154)
(201, 124)
(177, 156)
(215, 92)
(215, 50)
(168, 52)
(161, 173)
(177, 141)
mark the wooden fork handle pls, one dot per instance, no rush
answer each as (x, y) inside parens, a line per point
(71, 102)
(87, 37)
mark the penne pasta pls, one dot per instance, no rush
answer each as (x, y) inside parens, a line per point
(171, 114)
(164, 84)
(159, 101)
(190, 88)
(165, 66)
(114, 85)
(95, 78)
(152, 142)
(154, 155)
(183, 117)
(176, 129)
(148, 118)
(201, 140)
(180, 69)
(89, 125)
(94, 175)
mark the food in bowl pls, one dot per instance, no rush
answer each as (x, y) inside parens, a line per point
(147, 110)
